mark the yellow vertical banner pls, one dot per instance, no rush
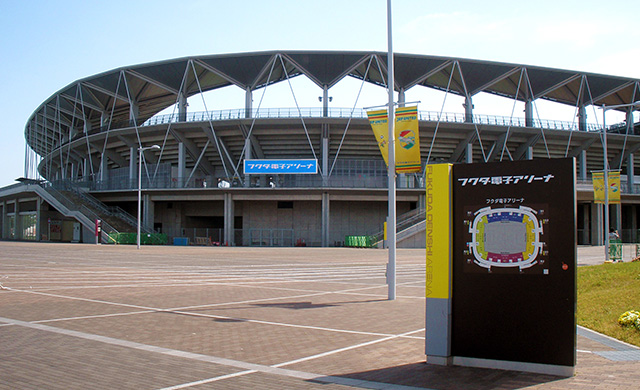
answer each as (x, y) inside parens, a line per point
(598, 186)
(614, 186)
(379, 124)
(407, 148)
(438, 229)
(407, 140)
(613, 179)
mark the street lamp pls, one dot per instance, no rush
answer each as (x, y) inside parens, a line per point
(606, 172)
(140, 150)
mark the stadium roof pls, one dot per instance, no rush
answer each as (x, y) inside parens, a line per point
(154, 86)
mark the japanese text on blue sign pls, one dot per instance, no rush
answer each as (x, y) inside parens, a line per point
(290, 167)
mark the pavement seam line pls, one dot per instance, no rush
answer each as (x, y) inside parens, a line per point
(204, 358)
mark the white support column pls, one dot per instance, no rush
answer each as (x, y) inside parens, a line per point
(134, 112)
(469, 154)
(104, 168)
(583, 165)
(325, 219)
(528, 113)
(596, 224)
(133, 167)
(148, 211)
(630, 174)
(325, 101)
(229, 218)
(182, 164)
(401, 98)
(182, 107)
(17, 221)
(582, 118)
(529, 153)
(248, 103)
(325, 153)
(247, 156)
(618, 224)
(468, 109)
(38, 220)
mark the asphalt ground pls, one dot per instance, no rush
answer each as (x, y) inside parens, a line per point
(80, 316)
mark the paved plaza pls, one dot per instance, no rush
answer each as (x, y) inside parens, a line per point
(80, 316)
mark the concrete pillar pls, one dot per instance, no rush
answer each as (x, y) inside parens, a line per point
(597, 224)
(247, 156)
(38, 220)
(182, 165)
(17, 221)
(248, 103)
(325, 153)
(229, 218)
(148, 211)
(104, 169)
(325, 101)
(469, 154)
(529, 153)
(582, 118)
(182, 107)
(133, 167)
(325, 219)
(468, 109)
(585, 225)
(134, 112)
(630, 174)
(401, 98)
(633, 223)
(528, 113)
(618, 222)
(582, 165)
(74, 171)
(3, 221)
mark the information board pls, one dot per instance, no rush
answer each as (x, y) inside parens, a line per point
(514, 263)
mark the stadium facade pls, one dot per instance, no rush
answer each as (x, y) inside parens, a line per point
(88, 141)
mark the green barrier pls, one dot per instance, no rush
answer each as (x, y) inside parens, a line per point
(358, 241)
(132, 238)
(615, 250)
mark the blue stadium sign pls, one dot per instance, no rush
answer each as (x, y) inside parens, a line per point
(287, 167)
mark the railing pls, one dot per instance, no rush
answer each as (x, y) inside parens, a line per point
(337, 112)
(88, 199)
(72, 206)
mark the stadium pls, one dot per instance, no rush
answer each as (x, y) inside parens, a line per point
(102, 142)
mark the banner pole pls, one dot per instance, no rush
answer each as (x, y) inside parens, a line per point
(391, 226)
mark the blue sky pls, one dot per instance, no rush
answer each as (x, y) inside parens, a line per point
(46, 45)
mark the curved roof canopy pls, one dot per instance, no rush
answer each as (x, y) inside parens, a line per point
(146, 89)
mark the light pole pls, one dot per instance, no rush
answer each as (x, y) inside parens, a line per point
(606, 172)
(140, 150)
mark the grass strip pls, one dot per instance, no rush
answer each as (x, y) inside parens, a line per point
(604, 293)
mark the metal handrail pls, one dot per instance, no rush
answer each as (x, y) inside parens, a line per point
(339, 112)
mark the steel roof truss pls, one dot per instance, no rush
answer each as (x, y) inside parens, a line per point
(503, 76)
(152, 81)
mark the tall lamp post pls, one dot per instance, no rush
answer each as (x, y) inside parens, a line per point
(606, 172)
(140, 150)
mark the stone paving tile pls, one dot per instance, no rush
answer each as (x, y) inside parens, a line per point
(257, 343)
(334, 311)
(183, 276)
(34, 307)
(31, 359)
